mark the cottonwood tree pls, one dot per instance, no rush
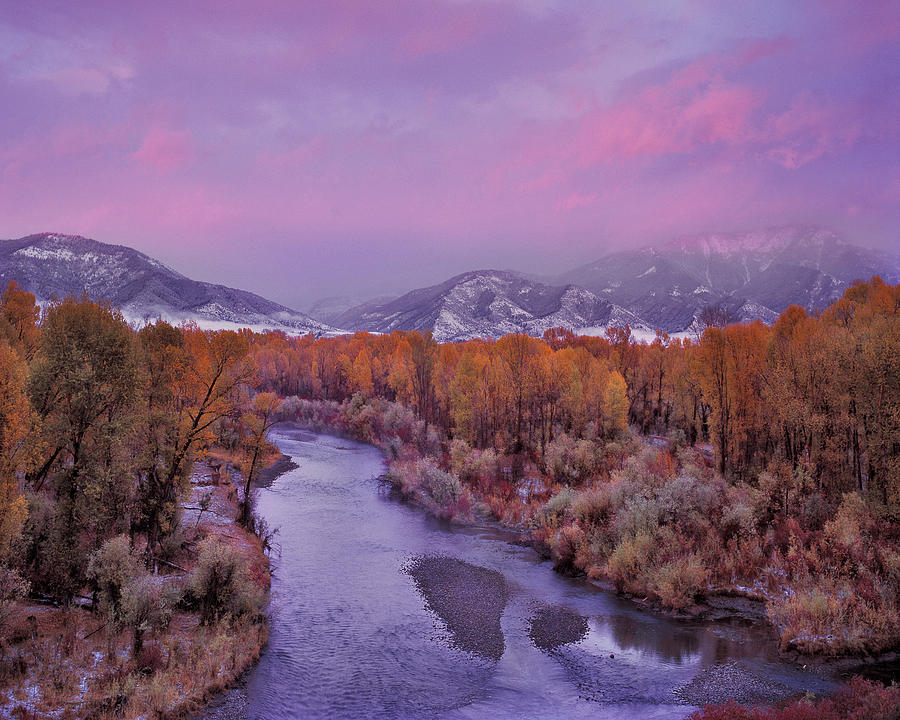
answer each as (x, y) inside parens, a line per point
(19, 316)
(256, 423)
(82, 384)
(203, 374)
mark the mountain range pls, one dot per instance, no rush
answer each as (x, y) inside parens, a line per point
(748, 276)
(52, 265)
(668, 287)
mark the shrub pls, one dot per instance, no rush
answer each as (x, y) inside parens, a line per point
(111, 569)
(556, 509)
(463, 460)
(440, 488)
(568, 460)
(688, 501)
(565, 545)
(593, 506)
(816, 512)
(853, 518)
(677, 439)
(220, 584)
(738, 518)
(146, 606)
(149, 659)
(637, 515)
(630, 563)
(678, 583)
(860, 700)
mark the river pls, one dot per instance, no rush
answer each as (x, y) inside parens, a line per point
(354, 635)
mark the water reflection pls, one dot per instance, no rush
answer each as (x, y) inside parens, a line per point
(678, 645)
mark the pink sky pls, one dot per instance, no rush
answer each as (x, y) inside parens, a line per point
(303, 149)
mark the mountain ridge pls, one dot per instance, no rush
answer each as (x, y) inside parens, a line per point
(668, 287)
(750, 274)
(56, 265)
(487, 303)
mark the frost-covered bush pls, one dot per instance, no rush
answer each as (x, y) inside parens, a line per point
(556, 509)
(111, 569)
(146, 606)
(637, 514)
(220, 584)
(690, 502)
(442, 488)
(474, 467)
(128, 594)
(739, 514)
(441, 492)
(593, 506)
(572, 461)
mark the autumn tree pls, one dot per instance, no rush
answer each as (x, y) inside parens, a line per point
(205, 373)
(82, 384)
(19, 316)
(18, 449)
(256, 423)
(360, 375)
(516, 352)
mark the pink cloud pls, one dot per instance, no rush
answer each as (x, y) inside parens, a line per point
(689, 111)
(297, 158)
(760, 49)
(808, 129)
(165, 150)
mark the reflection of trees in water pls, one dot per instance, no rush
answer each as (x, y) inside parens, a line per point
(677, 643)
(672, 644)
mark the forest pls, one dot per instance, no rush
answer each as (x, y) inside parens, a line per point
(752, 459)
(112, 603)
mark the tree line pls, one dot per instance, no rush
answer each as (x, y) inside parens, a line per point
(813, 397)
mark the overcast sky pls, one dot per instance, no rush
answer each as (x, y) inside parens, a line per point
(304, 149)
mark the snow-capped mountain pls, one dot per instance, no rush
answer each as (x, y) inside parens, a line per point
(751, 275)
(488, 303)
(54, 265)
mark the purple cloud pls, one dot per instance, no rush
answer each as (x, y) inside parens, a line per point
(349, 137)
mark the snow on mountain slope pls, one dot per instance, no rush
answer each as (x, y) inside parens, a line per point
(52, 265)
(749, 276)
(487, 303)
(753, 275)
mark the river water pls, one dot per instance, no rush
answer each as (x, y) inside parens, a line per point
(353, 636)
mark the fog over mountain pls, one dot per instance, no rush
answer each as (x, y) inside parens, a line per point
(489, 303)
(750, 276)
(753, 275)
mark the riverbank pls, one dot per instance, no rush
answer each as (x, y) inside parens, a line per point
(730, 606)
(72, 663)
(657, 524)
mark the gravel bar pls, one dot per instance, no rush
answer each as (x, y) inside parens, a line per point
(731, 681)
(553, 626)
(468, 599)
